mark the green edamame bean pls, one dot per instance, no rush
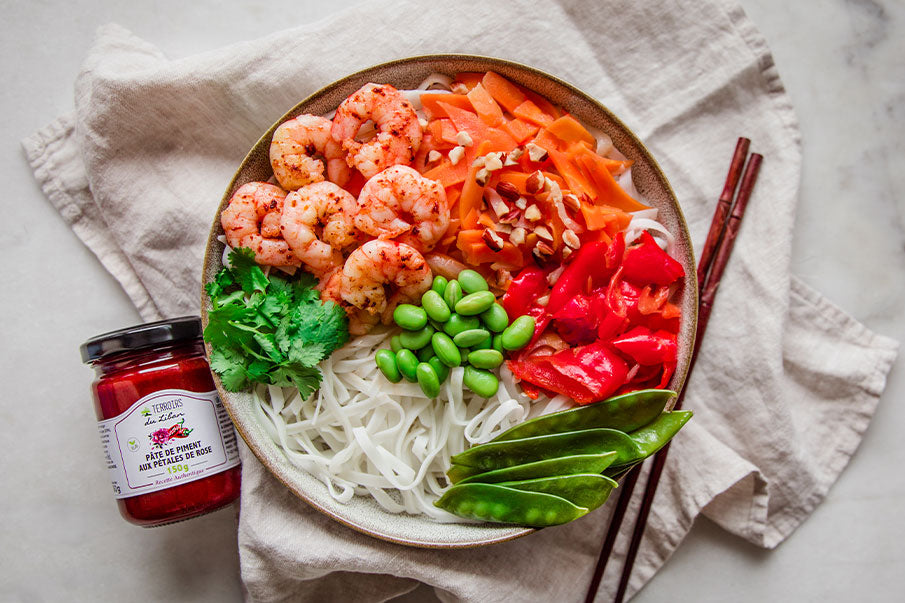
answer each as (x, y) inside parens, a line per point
(410, 317)
(564, 465)
(495, 318)
(425, 353)
(439, 284)
(583, 489)
(446, 350)
(415, 340)
(485, 359)
(497, 343)
(435, 307)
(483, 383)
(428, 379)
(441, 369)
(453, 293)
(486, 344)
(456, 324)
(496, 455)
(490, 502)
(386, 362)
(468, 338)
(475, 303)
(407, 363)
(625, 413)
(653, 436)
(395, 344)
(471, 281)
(519, 333)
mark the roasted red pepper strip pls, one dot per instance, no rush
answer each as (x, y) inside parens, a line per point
(575, 277)
(523, 291)
(646, 347)
(647, 263)
(585, 374)
(576, 321)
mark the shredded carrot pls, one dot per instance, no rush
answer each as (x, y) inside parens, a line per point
(503, 91)
(472, 193)
(484, 105)
(530, 112)
(469, 78)
(610, 193)
(519, 129)
(567, 129)
(431, 103)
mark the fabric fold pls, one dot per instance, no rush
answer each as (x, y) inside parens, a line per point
(786, 383)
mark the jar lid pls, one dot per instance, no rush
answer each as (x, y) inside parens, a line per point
(141, 336)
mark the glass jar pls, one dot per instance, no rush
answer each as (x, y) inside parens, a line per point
(168, 442)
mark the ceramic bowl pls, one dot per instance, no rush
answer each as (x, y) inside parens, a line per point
(363, 513)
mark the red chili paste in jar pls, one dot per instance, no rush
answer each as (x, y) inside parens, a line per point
(169, 443)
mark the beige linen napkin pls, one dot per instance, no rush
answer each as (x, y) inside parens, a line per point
(781, 399)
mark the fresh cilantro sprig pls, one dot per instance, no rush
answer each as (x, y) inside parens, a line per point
(269, 329)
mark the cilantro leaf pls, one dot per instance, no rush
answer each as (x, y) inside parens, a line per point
(229, 364)
(270, 329)
(245, 271)
(306, 379)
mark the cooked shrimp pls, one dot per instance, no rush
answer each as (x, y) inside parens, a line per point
(317, 224)
(293, 152)
(398, 130)
(378, 264)
(243, 220)
(399, 203)
(360, 321)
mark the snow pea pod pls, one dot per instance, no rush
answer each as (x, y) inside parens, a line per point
(496, 455)
(587, 490)
(490, 502)
(564, 465)
(625, 413)
(653, 436)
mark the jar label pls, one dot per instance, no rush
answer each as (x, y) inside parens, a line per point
(168, 438)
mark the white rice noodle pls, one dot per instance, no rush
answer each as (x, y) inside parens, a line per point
(360, 434)
(437, 82)
(663, 237)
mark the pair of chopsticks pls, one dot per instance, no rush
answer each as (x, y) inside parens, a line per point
(714, 257)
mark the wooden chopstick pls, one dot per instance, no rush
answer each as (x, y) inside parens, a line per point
(715, 239)
(708, 292)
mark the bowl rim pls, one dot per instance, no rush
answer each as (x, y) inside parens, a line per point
(679, 378)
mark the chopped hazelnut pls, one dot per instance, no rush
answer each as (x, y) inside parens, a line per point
(521, 203)
(456, 155)
(533, 214)
(535, 183)
(566, 252)
(535, 153)
(517, 236)
(493, 162)
(507, 191)
(571, 202)
(422, 122)
(493, 240)
(464, 139)
(542, 253)
(571, 239)
(482, 176)
(433, 156)
(552, 187)
(543, 232)
(458, 88)
(543, 300)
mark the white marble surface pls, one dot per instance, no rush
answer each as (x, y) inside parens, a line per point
(843, 63)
